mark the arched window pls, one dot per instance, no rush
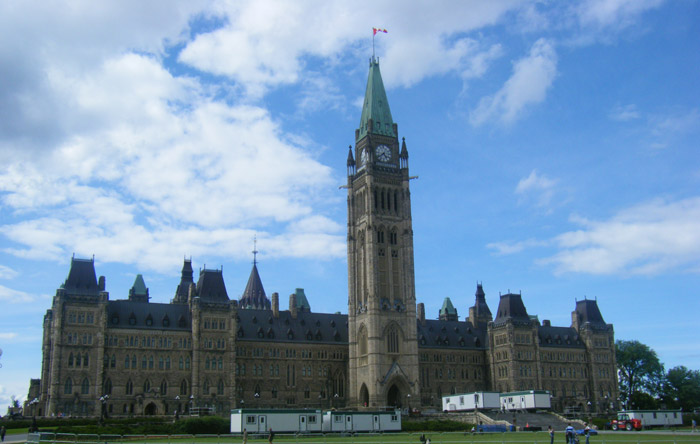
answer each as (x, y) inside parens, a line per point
(144, 362)
(77, 360)
(68, 388)
(221, 364)
(150, 362)
(205, 387)
(129, 387)
(70, 360)
(161, 363)
(187, 363)
(392, 340)
(146, 386)
(183, 387)
(86, 360)
(127, 361)
(85, 387)
(206, 363)
(182, 363)
(107, 389)
(220, 387)
(164, 387)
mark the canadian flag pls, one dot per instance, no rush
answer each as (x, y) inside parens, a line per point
(376, 30)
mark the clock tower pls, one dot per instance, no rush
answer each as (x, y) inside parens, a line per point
(383, 348)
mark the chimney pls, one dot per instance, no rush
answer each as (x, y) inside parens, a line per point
(275, 305)
(101, 283)
(546, 323)
(421, 313)
(293, 305)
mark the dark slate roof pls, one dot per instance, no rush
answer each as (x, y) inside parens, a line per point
(450, 334)
(560, 337)
(254, 295)
(481, 307)
(185, 281)
(81, 278)
(511, 307)
(448, 311)
(144, 315)
(587, 311)
(315, 328)
(211, 287)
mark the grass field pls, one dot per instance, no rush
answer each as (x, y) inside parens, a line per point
(681, 437)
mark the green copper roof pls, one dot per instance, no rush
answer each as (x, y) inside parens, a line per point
(139, 287)
(376, 106)
(302, 302)
(447, 307)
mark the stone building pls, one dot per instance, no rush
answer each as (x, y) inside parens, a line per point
(204, 350)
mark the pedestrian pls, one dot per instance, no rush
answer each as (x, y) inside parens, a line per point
(551, 434)
(270, 437)
(570, 434)
(245, 436)
(693, 430)
(587, 432)
(2, 433)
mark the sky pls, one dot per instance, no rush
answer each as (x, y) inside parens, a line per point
(555, 144)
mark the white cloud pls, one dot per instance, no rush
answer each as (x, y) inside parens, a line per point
(7, 336)
(505, 248)
(532, 76)
(538, 189)
(13, 296)
(652, 238)
(7, 272)
(613, 13)
(625, 113)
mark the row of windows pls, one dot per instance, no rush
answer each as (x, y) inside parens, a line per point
(148, 362)
(147, 342)
(214, 324)
(73, 338)
(81, 317)
(290, 353)
(211, 343)
(78, 360)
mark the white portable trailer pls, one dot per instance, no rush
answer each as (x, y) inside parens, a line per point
(282, 420)
(526, 400)
(374, 421)
(656, 418)
(471, 401)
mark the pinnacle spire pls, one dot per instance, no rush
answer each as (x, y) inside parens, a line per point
(376, 115)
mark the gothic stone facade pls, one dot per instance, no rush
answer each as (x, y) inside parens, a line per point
(205, 350)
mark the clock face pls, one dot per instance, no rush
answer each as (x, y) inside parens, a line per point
(383, 153)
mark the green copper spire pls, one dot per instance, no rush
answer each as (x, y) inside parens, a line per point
(376, 106)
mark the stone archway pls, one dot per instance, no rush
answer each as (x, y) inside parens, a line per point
(150, 409)
(364, 396)
(393, 397)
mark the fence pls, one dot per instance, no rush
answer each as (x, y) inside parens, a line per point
(366, 438)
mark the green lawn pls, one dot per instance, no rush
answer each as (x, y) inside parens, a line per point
(409, 438)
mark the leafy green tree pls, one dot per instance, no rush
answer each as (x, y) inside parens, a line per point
(681, 388)
(639, 369)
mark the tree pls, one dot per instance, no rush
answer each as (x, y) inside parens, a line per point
(681, 388)
(639, 369)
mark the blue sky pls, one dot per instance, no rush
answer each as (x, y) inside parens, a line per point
(555, 144)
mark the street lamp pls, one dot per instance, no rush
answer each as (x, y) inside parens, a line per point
(408, 400)
(103, 409)
(177, 407)
(33, 403)
(242, 404)
(191, 404)
(335, 400)
(257, 397)
(320, 405)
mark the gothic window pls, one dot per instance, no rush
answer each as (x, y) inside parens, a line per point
(85, 387)
(164, 387)
(182, 363)
(393, 238)
(144, 362)
(70, 360)
(68, 387)
(205, 387)
(206, 363)
(133, 362)
(187, 363)
(221, 364)
(150, 362)
(183, 387)
(107, 389)
(220, 387)
(77, 360)
(392, 340)
(161, 363)
(380, 236)
(146, 386)
(167, 363)
(127, 361)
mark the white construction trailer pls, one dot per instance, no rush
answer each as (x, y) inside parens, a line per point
(262, 420)
(526, 400)
(471, 401)
(377, 421)
(656, 418)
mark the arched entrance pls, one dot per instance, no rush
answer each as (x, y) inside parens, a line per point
(393, 397)
(364, 396)
(150, 409)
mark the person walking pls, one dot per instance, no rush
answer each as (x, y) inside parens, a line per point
(550, 430)
(270, 437)
(693, 430)
(570, 434)
(245, 436)
(2, 433)
(587, 432)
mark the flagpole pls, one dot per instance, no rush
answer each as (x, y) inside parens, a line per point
(373, 34)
